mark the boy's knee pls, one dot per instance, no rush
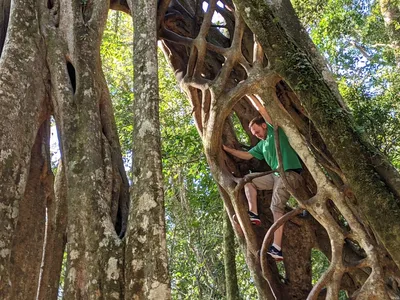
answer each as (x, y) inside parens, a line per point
(278, 202)
(277, 208)
(249, 186)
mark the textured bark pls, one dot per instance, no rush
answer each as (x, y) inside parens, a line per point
(4, 18)
(210, 118)
(53, 53)
(232, 289)
(56, 238)
(28, 241)
(94, 249)
(348, 148)
(146, 259)
(284, 73)
(22, 97)
(220, 74)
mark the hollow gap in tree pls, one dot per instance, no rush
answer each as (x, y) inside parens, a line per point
(50, 4)
(218, 21)
(319, 264)
(87, 10)
(63, 273)
(223, 28)
(289, 100)
(55, 154)
(292, 202)
(241, 134)
(357, 249)
(210, 69)
(238, 73)
(337, 216)
(282, 271)
(343, 295)
(72, 75)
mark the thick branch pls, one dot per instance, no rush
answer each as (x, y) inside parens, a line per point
(267, 241)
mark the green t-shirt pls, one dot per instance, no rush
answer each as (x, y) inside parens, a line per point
(265, 149)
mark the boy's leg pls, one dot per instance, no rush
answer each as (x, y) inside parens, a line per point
(265, 182)
(251, 196)
(278, 234)
(261, 183)
(279, 198)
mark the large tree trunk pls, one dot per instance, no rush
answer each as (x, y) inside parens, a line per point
(285, 74)
(146, 255)
(94, 173)
(376, 191)
(52, 53)
(29, 235)
(4, 18)
(56, 238)
(23, 110)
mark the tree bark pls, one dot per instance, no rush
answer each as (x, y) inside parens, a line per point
(94, 185)
(348, 148)
(146, 259)
(4, 19)
(56, 238)
(22, 97)
(270, 76)
(52, 54)
(28, 241)
(232, 289)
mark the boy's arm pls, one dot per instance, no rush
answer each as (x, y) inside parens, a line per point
(238, 153)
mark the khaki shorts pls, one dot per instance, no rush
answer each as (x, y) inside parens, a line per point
(279, 193)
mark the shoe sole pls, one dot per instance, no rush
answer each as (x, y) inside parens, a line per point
(276, 257)
(254, 222)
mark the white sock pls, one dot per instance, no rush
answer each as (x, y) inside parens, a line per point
(277, 247)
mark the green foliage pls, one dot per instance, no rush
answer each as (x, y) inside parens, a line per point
(320, 264)
(351, 34)
(193, 206)
(62, 277)
(242, 136)
(342, 29)
(117, 52)
(194, 209)
(377, 116)
(247, 288)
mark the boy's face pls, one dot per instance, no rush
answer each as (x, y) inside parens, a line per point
(259, 130)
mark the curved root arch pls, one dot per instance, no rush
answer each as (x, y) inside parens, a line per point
(223, 70)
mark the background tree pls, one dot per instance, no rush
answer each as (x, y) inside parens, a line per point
(146, 262)
(193, 207)
(294, 83)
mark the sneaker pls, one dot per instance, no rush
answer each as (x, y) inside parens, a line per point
(275, 253)
(254, 219)
(304, 214)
